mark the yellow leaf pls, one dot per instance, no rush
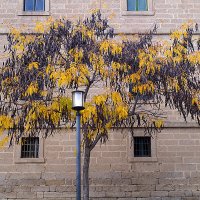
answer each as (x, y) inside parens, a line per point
(32, 88)
(159, 123)
(33, 65)
(116, 98)
(39, 27)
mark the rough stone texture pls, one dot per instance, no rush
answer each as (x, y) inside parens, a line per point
(176, 173)
(168, 14)
(172, 177)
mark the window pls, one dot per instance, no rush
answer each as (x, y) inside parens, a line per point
(34, 5)
(29, 150)
(137, 5)
(142, 146)
(30, 147)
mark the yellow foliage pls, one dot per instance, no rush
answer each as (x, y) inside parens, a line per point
(104, 46)
(15, 32)
(99, 99)
(6, 122)
(39, 27)
(51, 112)
(54, 75)
(77, 54)
(135, 77)
(195, 101)
(88, 113)
(33, 65)
(109, 125)
(147, 60)
(122, 112)
(116, 98)
(173, 84)
(32, 88)
(168, 53)
(116, 48)
(64, 79)
(19, 47)
(115, 66)
(49, 69)
(142, 88)
(83, 69)
(159, 123)
(176, 34)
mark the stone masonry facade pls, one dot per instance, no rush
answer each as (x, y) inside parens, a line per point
(173, 173)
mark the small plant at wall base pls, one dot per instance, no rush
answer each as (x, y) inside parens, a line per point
(137, 77)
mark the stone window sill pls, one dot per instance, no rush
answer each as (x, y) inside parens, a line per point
(142, 159)
(34, 13)
(29, 160)
(138, 13)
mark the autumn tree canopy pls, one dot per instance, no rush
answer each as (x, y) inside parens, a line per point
(62, 55)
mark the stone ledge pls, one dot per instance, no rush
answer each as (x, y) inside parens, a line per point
(29, 160)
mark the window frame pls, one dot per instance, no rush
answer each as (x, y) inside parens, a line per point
(30, 142)
(21, 11)
(125, 12)
(139, 132)
(17, 153)
(137, 6)
(34, 6)
(139, 152)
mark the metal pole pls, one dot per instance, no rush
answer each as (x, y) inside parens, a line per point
(78, 156)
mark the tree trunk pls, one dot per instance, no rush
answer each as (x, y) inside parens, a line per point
(86, 173)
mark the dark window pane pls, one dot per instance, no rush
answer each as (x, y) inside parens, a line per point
(29, 5)
(142, 5)
(131, 5)
(30, 147)
(142, 146)
(39, 5)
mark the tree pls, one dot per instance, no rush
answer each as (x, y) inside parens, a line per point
(138, 76)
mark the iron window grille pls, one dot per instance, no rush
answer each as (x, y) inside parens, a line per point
(30, 147)
(142, 146)
(34, 5)
(137, 5)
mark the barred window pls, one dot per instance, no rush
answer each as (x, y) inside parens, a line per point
(34, 5)
(30, 147)
(142, 146)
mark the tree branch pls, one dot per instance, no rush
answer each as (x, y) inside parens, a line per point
(98, 137)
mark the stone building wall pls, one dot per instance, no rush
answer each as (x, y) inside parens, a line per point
(174, 175)
(174, 171)
(167, 14)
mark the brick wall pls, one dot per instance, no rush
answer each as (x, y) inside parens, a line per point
(174, 175)
(168, 15)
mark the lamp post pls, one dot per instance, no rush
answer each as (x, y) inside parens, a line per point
(78, 105)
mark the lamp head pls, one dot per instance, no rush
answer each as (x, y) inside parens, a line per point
(78, 100)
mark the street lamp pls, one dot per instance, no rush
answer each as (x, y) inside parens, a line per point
(78, 105)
